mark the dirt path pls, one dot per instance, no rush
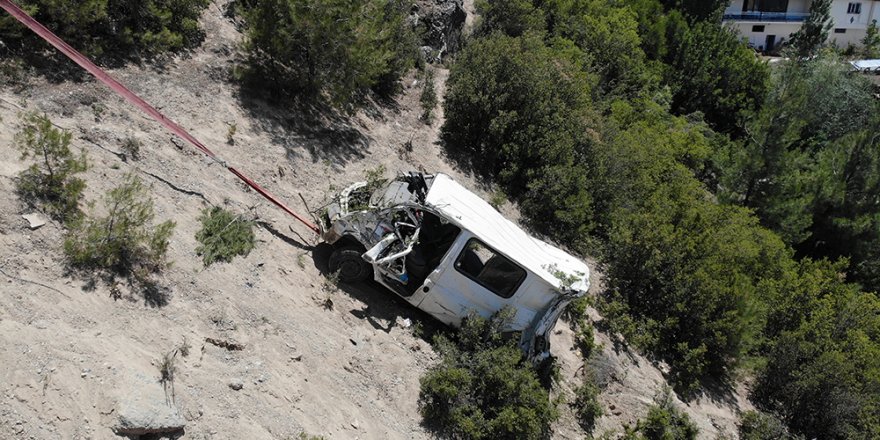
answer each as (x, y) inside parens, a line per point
(69, 355)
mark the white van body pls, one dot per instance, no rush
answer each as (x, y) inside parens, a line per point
(449, 253)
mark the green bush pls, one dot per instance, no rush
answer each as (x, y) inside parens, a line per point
(822, 369)
(755, 425)
(483, 388)
(663, 422)
(586, 403)
(112, 28)
(519, 112)
(335, 47)
(666, 422)
(428, 99)
(50, 183)
(223, 236)
(711, 71)
(123, 241)
(684, 272)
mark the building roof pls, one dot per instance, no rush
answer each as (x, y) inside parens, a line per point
(471, 212)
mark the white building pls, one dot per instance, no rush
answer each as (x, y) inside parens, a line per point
(768, 23)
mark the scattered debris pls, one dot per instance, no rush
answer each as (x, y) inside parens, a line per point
(229, 345)
(35, 220)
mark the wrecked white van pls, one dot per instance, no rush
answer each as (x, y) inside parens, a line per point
(448, 252)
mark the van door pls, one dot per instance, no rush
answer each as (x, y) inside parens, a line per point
(474, 277)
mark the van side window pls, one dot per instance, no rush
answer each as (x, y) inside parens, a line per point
(490, 269)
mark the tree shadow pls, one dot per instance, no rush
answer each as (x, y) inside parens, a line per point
(303, 124)
(38, 58)
(383, 307)
(153, 293)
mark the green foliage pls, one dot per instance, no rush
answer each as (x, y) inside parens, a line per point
(521, 107)
(512, 17)
(688, 271)
(810, 163)
(711, 71)
(131, 147)
(338, 48)
(609, 36)
(871, 42)
(807, 41)
(112, 28)
(123, 241)
(223, 236)
(428, 99)
(666, 422)
(683, 271)
(483, 388)
(755, 425)
(586, 403)
(50, 182)
(663, 422)
(699, 10)
(822, 352)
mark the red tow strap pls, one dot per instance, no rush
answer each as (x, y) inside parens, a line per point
(123, 91)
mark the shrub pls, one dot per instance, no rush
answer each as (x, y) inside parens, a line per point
(223, 236)
(518, 111)
(586, 404)
(822, 369)
(484, 388)
(50, 182)
(131, 148)
(755, 425)
(337, 47)
(114, 28)
(429, 98)
(684, 272)
(122, 242)
(666, 422)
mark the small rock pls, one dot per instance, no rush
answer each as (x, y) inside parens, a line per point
(355, 424)
(236, 384)
(406, 323)
(353, 342)
(35, 220)
(297, 358)
(612, 407)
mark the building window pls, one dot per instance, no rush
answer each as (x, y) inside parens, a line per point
(758, 28)
(490, 269)
(839, 31)
(854, 8)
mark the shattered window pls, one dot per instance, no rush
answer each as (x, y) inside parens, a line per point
(490, 269)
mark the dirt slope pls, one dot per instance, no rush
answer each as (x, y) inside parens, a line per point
(70, 356)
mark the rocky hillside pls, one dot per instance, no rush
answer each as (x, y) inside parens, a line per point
(263, 347)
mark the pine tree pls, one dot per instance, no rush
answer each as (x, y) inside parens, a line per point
(871, 42)
(814, 32)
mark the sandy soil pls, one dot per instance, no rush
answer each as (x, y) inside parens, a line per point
(69, 355)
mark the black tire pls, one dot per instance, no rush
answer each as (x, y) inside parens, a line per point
(346, 260)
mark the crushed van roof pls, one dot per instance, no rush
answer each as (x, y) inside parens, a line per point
(473, 213)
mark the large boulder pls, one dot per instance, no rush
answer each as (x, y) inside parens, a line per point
(442, 22)
(145, 406)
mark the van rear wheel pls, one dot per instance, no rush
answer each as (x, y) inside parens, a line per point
(347, 261)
